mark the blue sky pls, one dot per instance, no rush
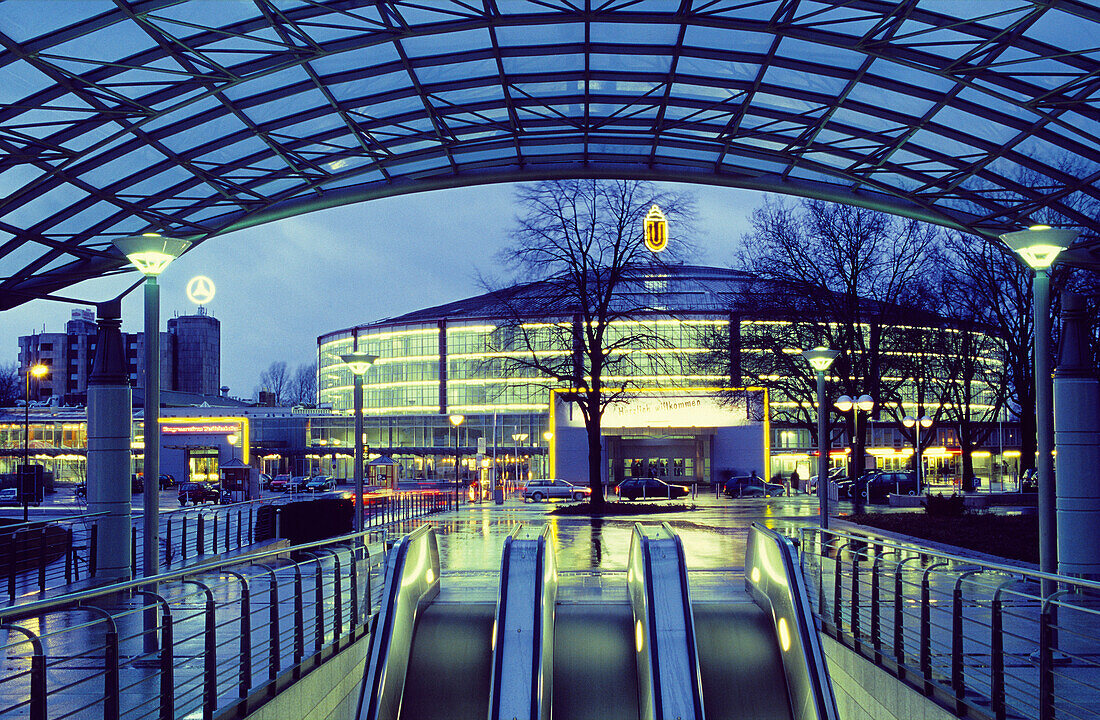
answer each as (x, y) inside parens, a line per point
(281, 285)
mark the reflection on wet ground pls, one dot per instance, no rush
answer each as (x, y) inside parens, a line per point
(714, 534)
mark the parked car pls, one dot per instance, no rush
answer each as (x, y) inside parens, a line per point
(280, 483)
(9, 496)
(539, 490)
(645, 488)
(198, 493)
(167, 480)
(297, 483)
(81, 490)
(751, 486)
(320, 483)
(137, 484)
(876, 487)
(265, 481)
(837, 474)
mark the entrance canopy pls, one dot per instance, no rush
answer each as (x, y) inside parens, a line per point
(194, 118)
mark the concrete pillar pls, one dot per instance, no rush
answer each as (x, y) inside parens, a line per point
(1077, 444)
(109, 430)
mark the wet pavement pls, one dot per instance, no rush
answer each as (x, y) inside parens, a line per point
(714, 534)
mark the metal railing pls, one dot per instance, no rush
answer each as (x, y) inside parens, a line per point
(42, 554)
(980, 638)
(220, 632)
(51, 554)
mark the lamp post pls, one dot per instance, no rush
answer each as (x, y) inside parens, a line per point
(517, 438)
(821, 359)
(151, 254)
(917, 424)
(548, 436)
(1039, 246)
(456, 420)
(866, 403)
(38, 370)
(359, 363)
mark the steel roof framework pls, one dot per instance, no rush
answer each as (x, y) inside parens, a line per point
(197, 118)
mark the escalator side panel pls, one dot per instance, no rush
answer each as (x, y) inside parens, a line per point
(450, 663)
(740, 663)
(595, 666)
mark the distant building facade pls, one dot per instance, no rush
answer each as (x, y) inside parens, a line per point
(190, 357)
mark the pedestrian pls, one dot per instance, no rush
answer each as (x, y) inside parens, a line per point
(794, 482)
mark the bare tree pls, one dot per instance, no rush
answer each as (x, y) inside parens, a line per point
(862, 281)
(583, 240)
(276, 380)
(11, 389)
(302, 388)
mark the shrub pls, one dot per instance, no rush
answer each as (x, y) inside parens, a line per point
(940, 506)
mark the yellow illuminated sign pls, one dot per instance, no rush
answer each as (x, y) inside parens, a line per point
(656, 230)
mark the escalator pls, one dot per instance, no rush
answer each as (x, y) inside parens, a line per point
(532, 655)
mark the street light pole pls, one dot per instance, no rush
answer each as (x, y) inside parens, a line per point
(38, 370)
(820, 359)
(359, 363)
(866, 403)
(151, 253)
(912, 422)
(456, 420)
(1039, 246)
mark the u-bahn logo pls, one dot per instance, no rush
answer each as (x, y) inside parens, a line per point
(656, 230)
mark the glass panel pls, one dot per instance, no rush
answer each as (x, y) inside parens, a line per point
(552, 34)
(446, 43)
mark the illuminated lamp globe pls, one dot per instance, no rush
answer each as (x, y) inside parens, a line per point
(457, 419)
(359, 362)
(844, 403)
(865, 403)
(151, 253)
(39, 370)
(820, 358)
(1039, 245)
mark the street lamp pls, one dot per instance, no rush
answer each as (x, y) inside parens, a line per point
(359, 363)
(517, 438)
(151, 253)
(917, 424)
(1039, 246)
(547, 436)
(38, 370)
(866, 403)
(821, 359)
(456, 420)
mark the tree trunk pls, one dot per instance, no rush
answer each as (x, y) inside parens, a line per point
(595, 460)
(966, 444)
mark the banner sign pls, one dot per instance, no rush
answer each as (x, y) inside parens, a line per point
(200, 429)
(666, 411)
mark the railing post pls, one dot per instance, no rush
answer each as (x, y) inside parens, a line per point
(245, 682)
(110, 675)
(167, 668)
(133, 552)
(69, 558)
(997, 655)
(200, 535)
(856, 556)
(239, 516)
(183, 539)
(926, 627)
(214, 535)
(42, 560)
(251, 538)
(354, 578)
(273, 623)
(299, 617)
(876, 623)
(1047, 617)
(958, 668)
(168, 541)
(38, 672)
(94, 536)
(837, 588)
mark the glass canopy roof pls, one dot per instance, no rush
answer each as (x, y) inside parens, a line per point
(198, 117)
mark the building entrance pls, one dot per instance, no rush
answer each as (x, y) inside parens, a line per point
(673, 458)
(202, 464)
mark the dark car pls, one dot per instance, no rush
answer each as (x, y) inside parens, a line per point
(198, 493)
(297, 483)
(1029, 482)
(645, 488)
(137, 484)
(320, 483)
(9, 496)
(751, 486)
(280, 483)
(837, 474)
(877, 487)
(265, 481)
(167, 480)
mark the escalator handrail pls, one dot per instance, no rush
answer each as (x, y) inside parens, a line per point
(381, 653)
(544, 596)
(654, 651)
(775, 583)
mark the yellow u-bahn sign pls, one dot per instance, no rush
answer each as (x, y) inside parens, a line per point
(656, 230)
